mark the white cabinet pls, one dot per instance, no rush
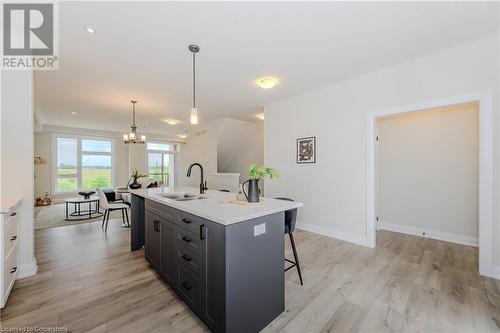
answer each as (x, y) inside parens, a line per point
(9, 247)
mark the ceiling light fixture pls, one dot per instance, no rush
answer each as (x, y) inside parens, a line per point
(267, 82)
(260, 116)
(132, 137)
(194, 111)
(73, 113)
(172, 121)
(90, 30)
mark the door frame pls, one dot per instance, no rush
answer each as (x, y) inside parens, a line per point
(486, 266)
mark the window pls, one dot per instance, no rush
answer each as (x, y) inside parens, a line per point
(66, 165)
(161, 160)
(96, 164)
(83, 163)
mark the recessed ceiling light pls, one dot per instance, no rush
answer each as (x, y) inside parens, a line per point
(260, 115)
(267, 82)
(73, 113)
(172, 121)
(90, 30)
(182, 136)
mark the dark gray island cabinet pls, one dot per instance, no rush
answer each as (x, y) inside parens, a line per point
(230, 275)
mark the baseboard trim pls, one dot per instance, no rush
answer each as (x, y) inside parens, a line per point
(495, 272)
(432, 234)
(27, 270)
(341, 235)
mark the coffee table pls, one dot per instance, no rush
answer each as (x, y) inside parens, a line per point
(85, 214)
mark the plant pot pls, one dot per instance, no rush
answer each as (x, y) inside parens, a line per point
(135, 185)
(253, 190)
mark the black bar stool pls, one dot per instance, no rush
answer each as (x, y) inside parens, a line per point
(290, 219)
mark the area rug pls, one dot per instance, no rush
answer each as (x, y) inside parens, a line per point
(54, 216)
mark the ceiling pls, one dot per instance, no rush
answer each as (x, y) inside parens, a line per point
(140, 52)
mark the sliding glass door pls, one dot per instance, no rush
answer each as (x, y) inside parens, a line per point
(161, 157)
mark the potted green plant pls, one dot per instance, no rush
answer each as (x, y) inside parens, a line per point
(256, 173)
(135, 176)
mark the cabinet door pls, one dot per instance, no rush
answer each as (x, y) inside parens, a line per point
(137, 222)
(213, 280)
(168, 255)
(190, 289)
(153, 240)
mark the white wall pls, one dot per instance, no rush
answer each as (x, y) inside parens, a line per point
(225, 147)
(17, 158)
(200, 148)
(334, 189)
(249, 151)
(43, 174)
(428, 172)
(136, 159)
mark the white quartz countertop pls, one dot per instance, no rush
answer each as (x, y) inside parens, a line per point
(213, 208)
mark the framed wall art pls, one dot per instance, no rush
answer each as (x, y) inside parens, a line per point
(306, 150)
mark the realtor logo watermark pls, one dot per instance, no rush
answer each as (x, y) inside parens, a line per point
(30, 36)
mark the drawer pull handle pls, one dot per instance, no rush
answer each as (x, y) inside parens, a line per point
(202, 235)
(156, 226)
(13, 270)
(187, 285)
(13, 238)
(13, 214)
(186, 239)
(186, 257)
(186, 221)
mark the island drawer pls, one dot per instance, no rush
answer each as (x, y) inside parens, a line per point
(190, 222)
(9, 237)
(190, 289)
(161, 210)
(189, 260)
(9, 272)
(189, 240)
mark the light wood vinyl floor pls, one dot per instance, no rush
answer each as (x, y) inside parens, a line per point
(89, 281)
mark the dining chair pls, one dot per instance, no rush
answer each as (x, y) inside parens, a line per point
(109, 207)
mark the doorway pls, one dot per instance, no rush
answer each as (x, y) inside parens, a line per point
(485, 202)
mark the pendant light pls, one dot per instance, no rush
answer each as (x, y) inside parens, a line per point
(194, 111)
(133, 137)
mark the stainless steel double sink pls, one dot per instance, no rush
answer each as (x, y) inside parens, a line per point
(182, 196)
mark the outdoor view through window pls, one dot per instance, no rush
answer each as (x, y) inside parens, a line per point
(83, 164)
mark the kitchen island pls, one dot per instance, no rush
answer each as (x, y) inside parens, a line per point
(225, 260)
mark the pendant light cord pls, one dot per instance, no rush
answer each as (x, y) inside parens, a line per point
(194, 80)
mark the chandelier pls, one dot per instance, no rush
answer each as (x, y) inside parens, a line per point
(133, 137)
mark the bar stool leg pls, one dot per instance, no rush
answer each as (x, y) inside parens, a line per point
(296, 257)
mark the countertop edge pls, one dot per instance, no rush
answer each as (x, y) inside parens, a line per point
(289, 205)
